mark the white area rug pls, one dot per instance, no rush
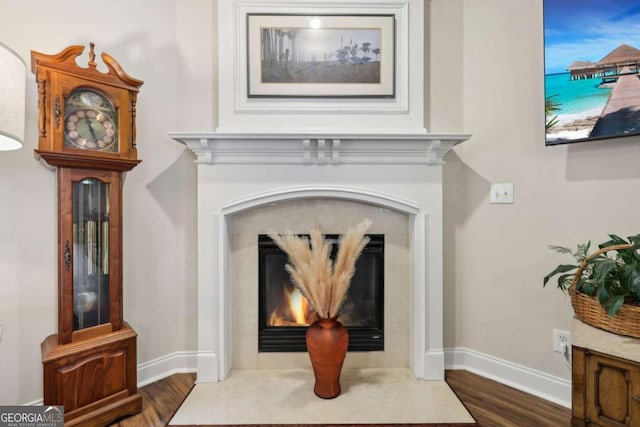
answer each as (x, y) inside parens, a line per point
(369, 396)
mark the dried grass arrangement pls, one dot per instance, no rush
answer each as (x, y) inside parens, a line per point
(321, 281)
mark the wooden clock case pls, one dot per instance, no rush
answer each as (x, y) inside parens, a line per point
(90, 364)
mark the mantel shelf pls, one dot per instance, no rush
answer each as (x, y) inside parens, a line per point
(319, 148)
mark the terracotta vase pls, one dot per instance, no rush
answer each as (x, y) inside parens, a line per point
(327, 342)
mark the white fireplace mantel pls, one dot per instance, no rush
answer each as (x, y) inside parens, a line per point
(319, 148)
(236, 173)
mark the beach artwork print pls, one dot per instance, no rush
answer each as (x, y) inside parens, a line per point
(320, 56)
(301, 55)
(592, 64)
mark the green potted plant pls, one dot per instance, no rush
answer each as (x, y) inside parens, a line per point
(604, 285)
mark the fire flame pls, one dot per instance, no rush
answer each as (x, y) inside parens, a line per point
(298, 305)
(294, 310)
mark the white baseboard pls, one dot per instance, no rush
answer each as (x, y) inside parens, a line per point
(540, 384)
(154, 370)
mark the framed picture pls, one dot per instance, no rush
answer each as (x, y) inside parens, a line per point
(295, 55)
(592, 59)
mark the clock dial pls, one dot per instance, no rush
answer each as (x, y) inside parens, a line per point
(90, 122)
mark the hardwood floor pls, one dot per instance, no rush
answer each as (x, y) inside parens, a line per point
(160, 401)
(496, 405)
(491, 404)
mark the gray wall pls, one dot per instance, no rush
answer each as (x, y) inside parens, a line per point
(497, 255)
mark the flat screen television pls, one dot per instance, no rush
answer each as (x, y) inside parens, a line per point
(591, 66)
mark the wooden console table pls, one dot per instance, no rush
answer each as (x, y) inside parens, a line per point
(605, 378)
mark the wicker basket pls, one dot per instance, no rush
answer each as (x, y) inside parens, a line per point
(589, 310)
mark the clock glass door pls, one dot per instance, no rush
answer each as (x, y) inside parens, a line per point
(90, 253)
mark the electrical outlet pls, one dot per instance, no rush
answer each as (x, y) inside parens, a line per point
(501, 193)
(560, 339)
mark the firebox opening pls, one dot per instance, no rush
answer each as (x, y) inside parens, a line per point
(284, 313)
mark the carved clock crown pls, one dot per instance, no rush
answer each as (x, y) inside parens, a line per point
(105, 137)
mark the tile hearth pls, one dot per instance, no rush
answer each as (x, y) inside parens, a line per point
(369, 396)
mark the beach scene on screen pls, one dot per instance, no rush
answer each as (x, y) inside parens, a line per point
(592, 60)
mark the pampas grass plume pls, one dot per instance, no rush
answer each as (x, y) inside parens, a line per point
(322, 282)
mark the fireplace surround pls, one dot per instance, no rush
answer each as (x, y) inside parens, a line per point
(299, 216)
(241, 173)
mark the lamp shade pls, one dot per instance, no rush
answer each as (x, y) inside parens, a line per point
(13, 76)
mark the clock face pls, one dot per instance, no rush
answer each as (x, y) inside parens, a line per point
(91, 121)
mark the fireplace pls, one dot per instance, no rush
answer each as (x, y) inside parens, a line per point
(249, 182)
(284, 313)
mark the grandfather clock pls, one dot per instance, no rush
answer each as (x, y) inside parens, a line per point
(87, 131)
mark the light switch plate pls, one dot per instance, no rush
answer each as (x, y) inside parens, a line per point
(501, 193)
